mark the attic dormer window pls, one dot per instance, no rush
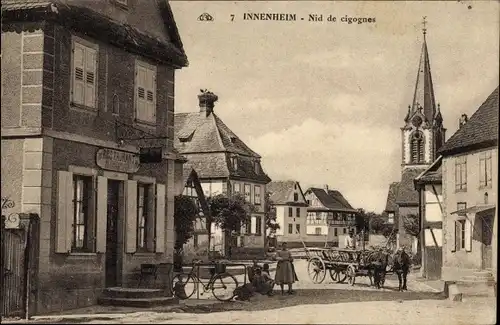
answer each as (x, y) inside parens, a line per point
(256, 167)
(233, 139)
(234, 162)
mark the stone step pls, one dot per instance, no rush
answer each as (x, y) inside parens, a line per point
(483, 273)
(477, 278)
(118, 292)
(138, 302)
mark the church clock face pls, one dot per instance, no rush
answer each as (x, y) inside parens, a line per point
(417, 121)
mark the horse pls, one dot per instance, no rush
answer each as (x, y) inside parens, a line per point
(401, 266)
(376, 262)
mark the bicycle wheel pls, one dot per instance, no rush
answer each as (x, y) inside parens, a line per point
(183, 286)
(223, 286)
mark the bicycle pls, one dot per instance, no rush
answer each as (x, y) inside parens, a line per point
(218, 275)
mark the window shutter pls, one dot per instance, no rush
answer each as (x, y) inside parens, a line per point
(102, 213)
(131, 216)
(463, 176)
(151, 222)
(457, 236)
(140, 95)
(160, 218)
(78, 74)
(64, 224)
(151, 95)
(468, 236)
(253, 225)
(90, 76)
(488, 170)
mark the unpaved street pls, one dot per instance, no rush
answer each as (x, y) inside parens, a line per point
(479, 311)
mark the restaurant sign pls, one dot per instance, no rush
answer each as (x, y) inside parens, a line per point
(119, 161)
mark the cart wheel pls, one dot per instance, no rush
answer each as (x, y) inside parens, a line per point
(351, 275)
(316, 270)
(338, 275)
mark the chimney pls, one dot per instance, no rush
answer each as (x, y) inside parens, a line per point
(206, 100)
(325, 187)
(463, 120)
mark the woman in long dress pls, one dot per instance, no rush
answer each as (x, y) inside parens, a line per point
(285, 272)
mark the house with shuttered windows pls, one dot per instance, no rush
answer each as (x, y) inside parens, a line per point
(470, 192)
(85, 87)
(225, 165)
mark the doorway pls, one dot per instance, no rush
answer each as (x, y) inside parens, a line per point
(113, 269)
(487, 229)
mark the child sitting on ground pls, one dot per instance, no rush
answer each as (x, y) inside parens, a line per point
(267, 278)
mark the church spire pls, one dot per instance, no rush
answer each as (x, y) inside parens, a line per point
(423, 98)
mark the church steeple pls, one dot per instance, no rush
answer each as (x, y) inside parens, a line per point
(423, 97)
(423, 132)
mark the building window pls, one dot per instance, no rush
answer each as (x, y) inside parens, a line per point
(248, 189)
(290, 229)
(390, 218)
(234, 163)
(143, 217)
(485, 169)
(295, 197)
(297, 212)
(417, 147)
(345, 231)
(335, 232)
(145, 92)
(256, 167)
(237, 187)
(290, 212)
(256, 194)
(248, 227)
(115, 108)
(461, 173)
(258, 225)
(317, 231)
(84, 75)
(308, 202)
(297, 229)
(83, 231)
(460, 235)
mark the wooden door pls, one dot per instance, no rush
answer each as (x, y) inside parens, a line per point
(112, 242)
(13, 272)
(487, 228)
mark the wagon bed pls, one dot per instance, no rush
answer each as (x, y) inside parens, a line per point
(341, 264)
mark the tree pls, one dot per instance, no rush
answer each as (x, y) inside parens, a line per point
(269, 217)
(185, 214)
(228, 213)
(411, 223)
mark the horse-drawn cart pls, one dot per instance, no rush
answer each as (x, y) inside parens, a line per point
(341, 264)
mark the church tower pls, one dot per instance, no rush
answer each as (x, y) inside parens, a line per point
(423, 132)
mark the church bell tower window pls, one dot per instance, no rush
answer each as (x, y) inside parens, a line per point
(417, 147)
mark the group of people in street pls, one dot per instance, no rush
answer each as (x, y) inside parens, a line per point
(260, 280)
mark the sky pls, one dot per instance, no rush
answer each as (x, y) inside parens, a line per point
(323, 102)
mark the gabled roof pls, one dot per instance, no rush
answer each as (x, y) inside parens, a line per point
(198, 133)
(390, 205)
(480, 131)
(208, 144)
(432, 175)
(85, 19)
(282, 191)
(332, 200)
(407, 194)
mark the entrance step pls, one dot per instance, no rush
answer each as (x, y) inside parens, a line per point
(135, 297)
(138, 302)
(118, 292)
(483, 273)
